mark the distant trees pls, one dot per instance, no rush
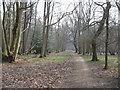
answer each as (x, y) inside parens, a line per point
(74, 31)
(47, 23)
(61, 37)
(92, 29)
(82, 22)
(76, 22)
(25, 32)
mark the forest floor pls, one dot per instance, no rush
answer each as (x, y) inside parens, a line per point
(62, 70)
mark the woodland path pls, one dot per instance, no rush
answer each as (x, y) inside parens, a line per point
(83, 76)
(74, 73)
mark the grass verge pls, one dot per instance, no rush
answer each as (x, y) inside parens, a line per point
(52, 58)
(112, 60)
(59, 58)
(23, 57)
(38, 59)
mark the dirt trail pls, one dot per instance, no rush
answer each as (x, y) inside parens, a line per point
(74, 73)
(83, 77)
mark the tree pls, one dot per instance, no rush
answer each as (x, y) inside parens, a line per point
(118, 6)
(106, 42)
(12, 46)
(100, 29)
(45, 27)
(33, 40)
(47, 23)
(77, 27)
(74, 32)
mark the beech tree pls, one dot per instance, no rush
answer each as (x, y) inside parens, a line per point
(11, 47)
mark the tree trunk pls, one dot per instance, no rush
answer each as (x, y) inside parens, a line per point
(79, 29)
(79, 43)
(14, 31)
(83, 48)
(9, 55)
(4, 49)
(94, 55)
(24, 32)
(9, 26)
(106, 41)
(74, 42)
(18, 36)
(44, 31)
(75, 47)
(47, 28)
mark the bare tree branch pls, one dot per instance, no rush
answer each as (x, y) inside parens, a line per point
(100, 5)
(118, 5)
(27, 6)
(65, 14)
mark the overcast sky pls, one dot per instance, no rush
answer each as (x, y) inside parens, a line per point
(65, 3)
(64, 6)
